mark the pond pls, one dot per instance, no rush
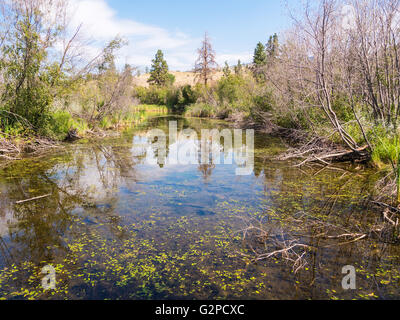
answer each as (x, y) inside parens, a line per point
(115, 225)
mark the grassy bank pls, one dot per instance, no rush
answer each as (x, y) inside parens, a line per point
(17, 142)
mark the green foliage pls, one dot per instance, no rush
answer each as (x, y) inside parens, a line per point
(175, 98)
(159, 75)
(105, 123)
(239, 68)
(189, 95)
(108, 61)
(273, 46)
(60, 124)
(28, 77)
(171, 79)
(201, 110)
(264, 102)
(227, 69)
(33, 78)
(152, 95)
(233, 92)
(386, 148)
(341, 105)
(260, 55)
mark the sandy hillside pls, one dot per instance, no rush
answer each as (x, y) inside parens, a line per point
(182, 78)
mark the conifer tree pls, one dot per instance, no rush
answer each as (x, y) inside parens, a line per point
(260, 55)
(259, 62)
(273, 46)
(159, 75)
(227, 69)
(239, 68)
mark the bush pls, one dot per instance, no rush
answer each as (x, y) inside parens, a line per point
(176, 99)
(234, 93)
(60, 124)
(200, 110)
(386, 148)
(152, 95)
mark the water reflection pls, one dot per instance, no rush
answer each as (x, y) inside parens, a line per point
(123, 222)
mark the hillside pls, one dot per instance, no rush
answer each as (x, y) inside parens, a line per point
(182, 78)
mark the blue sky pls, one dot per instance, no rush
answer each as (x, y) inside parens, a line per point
(177, 26)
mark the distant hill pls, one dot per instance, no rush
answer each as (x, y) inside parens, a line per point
(182, 78)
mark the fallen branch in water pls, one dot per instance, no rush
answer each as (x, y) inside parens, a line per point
(12, 149)
(384, 205)
(33, 199)
(265, 239)
(326, 156)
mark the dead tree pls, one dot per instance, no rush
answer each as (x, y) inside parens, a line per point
(205, 64)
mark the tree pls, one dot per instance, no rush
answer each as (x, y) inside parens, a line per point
(259, 61)
(159, 75)
(205, 64)
(227, 69)
(260, 56)
(171, 79)
(273, 46)
(31, 75)
(109, 93)
(238, 68)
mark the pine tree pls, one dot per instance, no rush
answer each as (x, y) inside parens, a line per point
(260, 55)
(273, 46)
(159, 75)
(227, 69)
(260, 60)
(239, 68)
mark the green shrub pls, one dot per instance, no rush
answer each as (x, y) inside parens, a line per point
(80, 125)
(106, 123)
(61, 122)
(200, 110)
(234, 93)
(386, 150)
(341, 105)
(176, 99)
(152, 95)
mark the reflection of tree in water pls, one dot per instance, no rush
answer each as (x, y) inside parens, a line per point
(115, 164)
(206, 170)
(320, 219)
(39, 227)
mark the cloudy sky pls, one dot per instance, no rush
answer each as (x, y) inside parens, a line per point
(177, 26)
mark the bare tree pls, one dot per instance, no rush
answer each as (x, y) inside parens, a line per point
(205, 64)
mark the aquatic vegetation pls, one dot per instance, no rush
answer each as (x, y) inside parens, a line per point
(115, 227)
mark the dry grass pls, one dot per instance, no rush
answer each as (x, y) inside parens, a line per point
(182, 78)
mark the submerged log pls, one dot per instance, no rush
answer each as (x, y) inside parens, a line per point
(361, 155)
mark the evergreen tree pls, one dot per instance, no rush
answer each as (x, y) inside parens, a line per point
(273, 46)
(260, 55)
(227, 69)
(159, 75)
(238, 68)
(260, 60)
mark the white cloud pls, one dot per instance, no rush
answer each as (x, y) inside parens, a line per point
(348, 17)
(233, 59)
(101, 23)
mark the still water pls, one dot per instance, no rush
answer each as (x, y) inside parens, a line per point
(115, 226)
